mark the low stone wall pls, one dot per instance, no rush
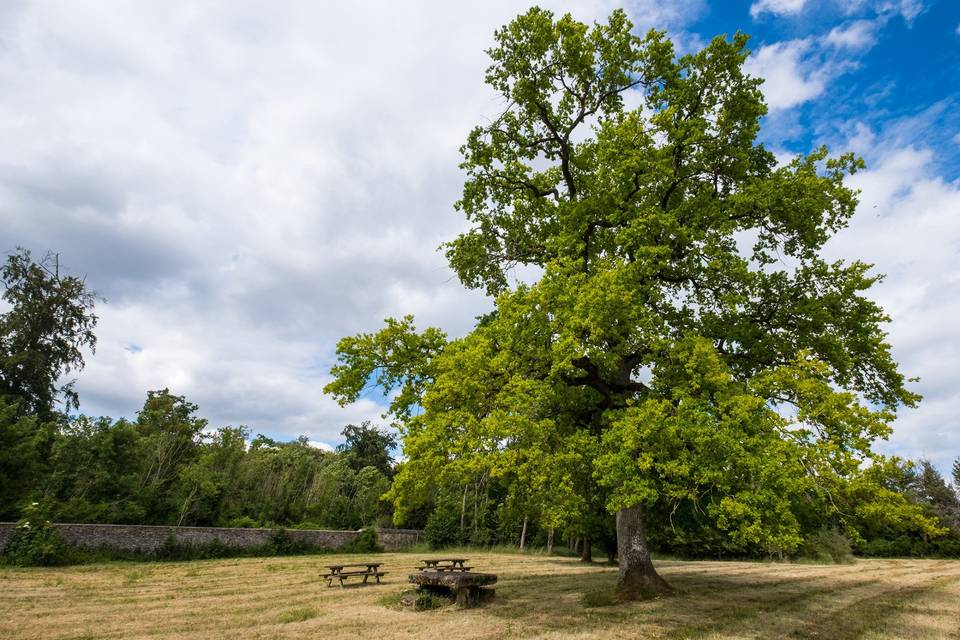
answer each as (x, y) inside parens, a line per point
(146, 538)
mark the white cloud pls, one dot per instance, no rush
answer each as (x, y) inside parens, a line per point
(246, 185)
(907, 9)
(859, 34)
(776, 7)
(788, 79)
(907, 226)
(797, 71)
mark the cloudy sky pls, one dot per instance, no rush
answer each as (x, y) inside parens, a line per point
(246, 182)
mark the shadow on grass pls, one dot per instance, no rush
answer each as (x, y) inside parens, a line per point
(707, 603)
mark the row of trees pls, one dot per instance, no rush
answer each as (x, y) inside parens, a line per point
(464, 485)
(899, 508)
(166, 466)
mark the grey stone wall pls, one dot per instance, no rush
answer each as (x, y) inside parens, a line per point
(147, 538)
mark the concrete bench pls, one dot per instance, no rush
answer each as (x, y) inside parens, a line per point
(467, 587)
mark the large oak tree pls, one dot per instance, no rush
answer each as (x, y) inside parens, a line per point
(684, 340)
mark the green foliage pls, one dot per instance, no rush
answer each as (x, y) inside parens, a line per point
(283, 544)
(826, 545)
(42, 336)
(245, 522)
(396, 357)
(36, 542)
(366, 542)
(368, 446)
(166, 468)
(23, 441)
(443, 525)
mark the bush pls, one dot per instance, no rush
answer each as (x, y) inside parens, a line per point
(826, 545)
(366, 542)
(283, 544)
(36, 542)
(243, 522)
(443, 528)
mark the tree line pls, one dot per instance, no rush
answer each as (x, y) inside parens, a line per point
(166, 466)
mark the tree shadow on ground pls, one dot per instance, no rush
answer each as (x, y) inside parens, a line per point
(817, 602)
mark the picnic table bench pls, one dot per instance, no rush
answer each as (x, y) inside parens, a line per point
(370, 570)
(444, 564)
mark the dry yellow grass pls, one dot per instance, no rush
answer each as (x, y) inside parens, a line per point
(537, 597)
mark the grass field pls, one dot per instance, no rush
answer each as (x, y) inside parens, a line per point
(537, 597)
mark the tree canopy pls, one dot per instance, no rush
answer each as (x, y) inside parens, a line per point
(50, 321)
(685, 344)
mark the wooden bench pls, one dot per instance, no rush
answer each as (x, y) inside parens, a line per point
(370, 570)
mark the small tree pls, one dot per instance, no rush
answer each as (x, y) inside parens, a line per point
(42, 336)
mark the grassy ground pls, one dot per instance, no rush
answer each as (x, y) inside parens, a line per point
(537, 597)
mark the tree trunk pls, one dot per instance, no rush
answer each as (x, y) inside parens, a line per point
(638, 579)
(463, 510)
(586, 551)
(550, 541)
(523, 535)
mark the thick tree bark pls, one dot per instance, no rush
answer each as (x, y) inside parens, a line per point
(550, 540)
(638, 579)
(586, 551)
(523, 535)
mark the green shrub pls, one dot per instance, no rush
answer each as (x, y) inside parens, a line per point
(366, 542)
(36, 542)
(949, 547)
(443, 528)
(826, 545)
(244, 522)
(283, 544)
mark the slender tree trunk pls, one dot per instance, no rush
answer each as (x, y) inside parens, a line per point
(586, 551)
(476, 509)
(638, 579)
(550, 541)
(523, 534)
(463, 510)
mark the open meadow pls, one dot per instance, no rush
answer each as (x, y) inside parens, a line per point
(537, 597)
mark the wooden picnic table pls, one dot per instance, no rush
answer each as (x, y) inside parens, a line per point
(444, 564)
(370, 569)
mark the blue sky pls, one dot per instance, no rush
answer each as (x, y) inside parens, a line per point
(897, 60)
(246, 182)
